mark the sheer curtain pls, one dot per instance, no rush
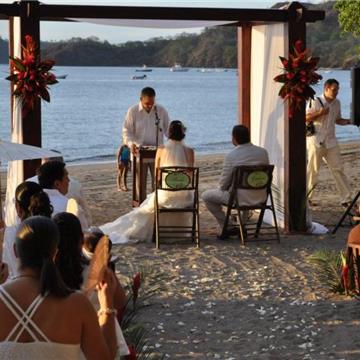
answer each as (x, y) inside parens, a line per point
(15, 174)
(268, 42)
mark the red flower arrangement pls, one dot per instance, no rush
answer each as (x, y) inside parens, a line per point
(31, 76)
(136, 286)
(299, 74)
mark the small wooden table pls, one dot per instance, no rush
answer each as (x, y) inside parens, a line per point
(144, 152)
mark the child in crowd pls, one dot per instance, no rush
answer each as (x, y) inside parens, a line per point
(123, 160)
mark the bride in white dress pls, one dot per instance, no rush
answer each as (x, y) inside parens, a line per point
(138, 224)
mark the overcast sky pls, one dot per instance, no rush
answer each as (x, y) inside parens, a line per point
(116, 35)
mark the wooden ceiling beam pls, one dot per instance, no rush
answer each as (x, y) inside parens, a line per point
(62, 12)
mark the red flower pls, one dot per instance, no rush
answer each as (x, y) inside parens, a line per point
(137, 281)
(299, 74)
(28, 39)
(299, 45)
(132, 353)
(30, 76)
(136, 286)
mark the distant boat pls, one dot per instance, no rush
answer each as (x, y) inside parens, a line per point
(144, 68)
(178, 68)
(64, 76)
(138, 77)
(205, 70)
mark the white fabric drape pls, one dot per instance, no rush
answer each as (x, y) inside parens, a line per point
(15, 174)
(268, 42)
(159, 24)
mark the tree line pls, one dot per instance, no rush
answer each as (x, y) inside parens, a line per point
(214, 47)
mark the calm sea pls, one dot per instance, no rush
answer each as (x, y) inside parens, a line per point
(85, 116)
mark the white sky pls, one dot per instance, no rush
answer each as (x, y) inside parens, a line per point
(61, 31)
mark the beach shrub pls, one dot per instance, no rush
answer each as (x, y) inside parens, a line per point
(333, 271)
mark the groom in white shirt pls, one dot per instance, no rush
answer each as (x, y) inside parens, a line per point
(140, 129)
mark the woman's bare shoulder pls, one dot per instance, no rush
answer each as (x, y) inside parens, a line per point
(77, 300)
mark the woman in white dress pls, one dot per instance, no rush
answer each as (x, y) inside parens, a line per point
(40, 317)
(138, 224)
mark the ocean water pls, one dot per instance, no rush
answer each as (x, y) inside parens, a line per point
(87, 109)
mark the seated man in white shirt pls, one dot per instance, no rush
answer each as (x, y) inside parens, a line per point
(74, 192)
(54, 179)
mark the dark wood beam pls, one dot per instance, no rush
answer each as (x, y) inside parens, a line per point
(295, 141)
(244, 74)
(57, 12)
(31, 120)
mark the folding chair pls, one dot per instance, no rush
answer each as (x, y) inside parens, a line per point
(172, 180)
(257, 178)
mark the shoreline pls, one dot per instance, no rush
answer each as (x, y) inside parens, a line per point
(346, 146)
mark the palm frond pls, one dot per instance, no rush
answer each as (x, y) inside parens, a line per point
(328, 269)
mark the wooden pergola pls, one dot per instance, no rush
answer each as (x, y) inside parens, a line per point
(31, 13)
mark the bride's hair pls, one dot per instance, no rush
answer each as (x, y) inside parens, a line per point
(176, 130)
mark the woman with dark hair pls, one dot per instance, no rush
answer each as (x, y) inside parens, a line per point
(69, 259)
(27, 331)
(30, 200)
(139, 223)
(73, 267)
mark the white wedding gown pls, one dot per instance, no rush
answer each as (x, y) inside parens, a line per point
(138, 224)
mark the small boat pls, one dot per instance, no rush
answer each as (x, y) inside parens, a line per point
(144, 68)
(138, 77)
(63, 76)
(205, 70)
(178, 68)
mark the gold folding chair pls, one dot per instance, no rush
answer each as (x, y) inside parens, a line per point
(172, 180)
(255, 178)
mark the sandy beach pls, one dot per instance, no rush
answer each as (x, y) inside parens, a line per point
(226, 301)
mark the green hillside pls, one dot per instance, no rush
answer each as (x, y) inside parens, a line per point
(214, 47)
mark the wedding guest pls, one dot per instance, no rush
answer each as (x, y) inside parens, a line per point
(30, 200)
(123, 161)
(140, 129)
(245, 153)
(54, 179)
(75, 190)
(91, 238)
(70, 260)
(73, 267)
(27, 301)
(325, 112)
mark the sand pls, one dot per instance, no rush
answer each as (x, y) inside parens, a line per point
(226, 301)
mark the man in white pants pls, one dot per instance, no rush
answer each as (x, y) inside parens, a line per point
(245, 153)
(140, 129)
(325, 112)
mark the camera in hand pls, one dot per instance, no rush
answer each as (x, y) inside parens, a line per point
(310, 128)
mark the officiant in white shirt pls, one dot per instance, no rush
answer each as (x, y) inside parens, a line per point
(146, 124)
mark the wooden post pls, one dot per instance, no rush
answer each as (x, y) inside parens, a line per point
(31, 121)
(295, 140)
(244, 73)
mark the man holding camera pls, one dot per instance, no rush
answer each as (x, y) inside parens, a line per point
(324, 112)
